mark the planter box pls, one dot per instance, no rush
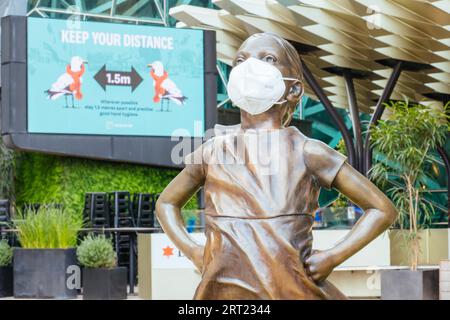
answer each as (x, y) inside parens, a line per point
(410, 285)
(104, 283)
(444, 280)
(45, 273)
(6, 282)
(433, 247)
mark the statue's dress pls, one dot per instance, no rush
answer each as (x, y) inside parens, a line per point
(261, 191)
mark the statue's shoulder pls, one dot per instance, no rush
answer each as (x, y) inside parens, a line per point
(295, 136)
(318, 154)
(314, 147)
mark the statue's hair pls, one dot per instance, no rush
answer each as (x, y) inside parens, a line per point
(291, 53)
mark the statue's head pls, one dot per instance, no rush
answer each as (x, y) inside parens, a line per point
(267, 78)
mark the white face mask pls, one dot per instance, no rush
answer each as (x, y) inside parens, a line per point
(255, 86)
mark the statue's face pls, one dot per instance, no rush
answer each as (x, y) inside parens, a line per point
(265, 48)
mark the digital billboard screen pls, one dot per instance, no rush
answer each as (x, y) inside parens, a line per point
(114, 79)
(103, 90)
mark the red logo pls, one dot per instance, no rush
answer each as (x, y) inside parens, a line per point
(167, 251)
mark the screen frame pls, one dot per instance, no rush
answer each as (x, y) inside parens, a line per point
(149, 150)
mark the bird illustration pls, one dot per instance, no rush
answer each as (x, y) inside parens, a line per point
(69, 83)
(165, 88)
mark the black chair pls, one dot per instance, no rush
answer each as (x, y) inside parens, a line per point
(121, 213)
(155, 197)
(96, 212)
(143, 209)
(5, 218)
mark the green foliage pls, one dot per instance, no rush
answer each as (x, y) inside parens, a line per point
(404, 142)
(48, 228)
(6, 172)
(341, 201)
(341, 147)
(96, 252)
(6, 254)
(53, 179)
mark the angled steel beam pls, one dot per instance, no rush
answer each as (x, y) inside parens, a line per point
(379, 109)
(136, 7)
(326, 129)
(354, 117)
(79, 5)
(312, 82)
(42, 11)
(445, 157)
(161, 11)
(114, 5)
(106, 6)
(313, 110)
(335, 141)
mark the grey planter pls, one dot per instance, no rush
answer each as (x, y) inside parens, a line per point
(410, 285)
(6, 282)
(44, 273)
(105, 283)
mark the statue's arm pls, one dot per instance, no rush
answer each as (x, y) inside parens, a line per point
(379, 214)
(330, 170)
(168, 211)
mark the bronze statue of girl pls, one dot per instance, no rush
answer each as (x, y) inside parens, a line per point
(259, 206)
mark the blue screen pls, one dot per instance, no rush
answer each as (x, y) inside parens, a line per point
(114, 79)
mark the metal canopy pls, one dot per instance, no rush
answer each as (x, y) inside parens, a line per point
(366, 37)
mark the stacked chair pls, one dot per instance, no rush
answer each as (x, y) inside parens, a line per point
(5, 219)
(96, 210)
(144, 205)
(118, 209)
(122, 217)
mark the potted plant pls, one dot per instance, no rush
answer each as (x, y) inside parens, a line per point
(46, 265)
(6, 272)
(403, 143)
(102, 279)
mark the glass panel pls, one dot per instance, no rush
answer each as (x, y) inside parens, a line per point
(13, 7)
(55, 4)
(99, 6)
(139, 9)
(336, 217)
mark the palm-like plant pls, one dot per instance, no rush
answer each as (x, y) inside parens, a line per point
(405, 141)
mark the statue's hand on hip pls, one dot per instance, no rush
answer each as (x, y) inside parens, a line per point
(319, 265)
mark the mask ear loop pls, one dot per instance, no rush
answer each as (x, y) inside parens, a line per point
(289, 79)
(291, 114)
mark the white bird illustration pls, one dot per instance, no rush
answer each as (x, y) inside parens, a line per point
(69, 83)
(165, 88)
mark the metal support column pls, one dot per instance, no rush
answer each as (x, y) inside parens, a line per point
(312, 82)
(367, 159)
(354, 116)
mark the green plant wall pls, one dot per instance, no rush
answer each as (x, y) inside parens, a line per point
(52, 179)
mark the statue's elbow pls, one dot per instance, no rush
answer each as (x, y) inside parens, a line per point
(392, 213)
(159, 208)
